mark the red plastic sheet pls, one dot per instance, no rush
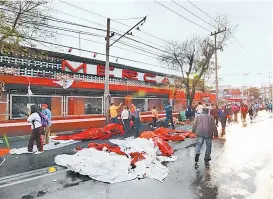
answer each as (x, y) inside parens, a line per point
(99, 147)
(170, 135)
(163, 146)
(95, 133)
(136, 156)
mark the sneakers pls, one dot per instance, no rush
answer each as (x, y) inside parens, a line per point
(197, 157)
(2, 160)
(29, 152)
(38, 152)
(207, 159)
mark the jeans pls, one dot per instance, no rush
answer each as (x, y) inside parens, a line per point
(169, 118)
(137, 125)
(114, 120)
(223, 123)
(200, 142)
(126, 125)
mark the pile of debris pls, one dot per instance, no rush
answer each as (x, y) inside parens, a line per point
(132, 158)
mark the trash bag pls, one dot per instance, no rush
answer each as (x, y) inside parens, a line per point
(164, 147)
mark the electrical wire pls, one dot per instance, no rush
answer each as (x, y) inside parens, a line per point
(165, 41)
(89, 40)
(216, 22)
(193, 14)
(181, 16)
(67, 22)
(65, 46)
(58, 20)
(129, 18)
(116, 31)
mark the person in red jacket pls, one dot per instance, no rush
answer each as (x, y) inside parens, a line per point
(244, 110)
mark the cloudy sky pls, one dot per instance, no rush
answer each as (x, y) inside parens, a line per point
(254, 32)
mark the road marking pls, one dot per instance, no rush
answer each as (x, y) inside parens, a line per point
(28, 176)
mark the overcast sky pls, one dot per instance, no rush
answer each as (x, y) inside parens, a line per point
(254, 32)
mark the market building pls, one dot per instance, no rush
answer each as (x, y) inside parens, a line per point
(73, 88)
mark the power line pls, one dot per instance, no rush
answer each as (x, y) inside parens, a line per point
(89, 40)
(216, 22)
(128, 18)
(104, 25)
(112, 20)
(193, 13)
(71, 23)
(58, 20)
(92, 34)
(60, 45)
(181, 16)
(145, 44)
(59, 28)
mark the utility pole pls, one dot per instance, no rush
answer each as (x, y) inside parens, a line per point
(216, 65)
(106, 83)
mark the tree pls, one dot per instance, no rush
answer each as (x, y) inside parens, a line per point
(21, 22)
(192, 58)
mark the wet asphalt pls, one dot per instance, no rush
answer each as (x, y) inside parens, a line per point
(241, 167)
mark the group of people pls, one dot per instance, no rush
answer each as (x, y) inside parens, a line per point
(206, 119)
(131, 116)
(128, 114)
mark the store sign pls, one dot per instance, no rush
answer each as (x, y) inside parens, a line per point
(99, 70)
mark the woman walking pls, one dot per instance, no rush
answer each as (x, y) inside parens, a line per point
(125, 117)
(36, 125)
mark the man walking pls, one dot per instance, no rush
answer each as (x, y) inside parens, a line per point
(47, 113)
(169, 115)
(205, 128)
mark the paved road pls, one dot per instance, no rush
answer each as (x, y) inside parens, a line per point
(240, 168)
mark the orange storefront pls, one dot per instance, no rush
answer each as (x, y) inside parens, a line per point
(73, 88)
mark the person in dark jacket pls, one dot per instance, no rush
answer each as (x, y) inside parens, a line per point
(251, 113)
(169, 115)
(189, 113)
(223, 114)
(205, 128)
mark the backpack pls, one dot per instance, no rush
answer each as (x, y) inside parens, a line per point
(44, 119)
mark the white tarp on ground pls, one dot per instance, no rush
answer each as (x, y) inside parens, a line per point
(113, 168)
(50, 146)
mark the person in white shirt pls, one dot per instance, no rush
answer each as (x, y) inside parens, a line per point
(125, 117)
(36, 125)
(199, 108)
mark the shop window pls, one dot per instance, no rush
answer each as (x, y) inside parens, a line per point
(20, 105)
(93, 106)
(140, 103)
